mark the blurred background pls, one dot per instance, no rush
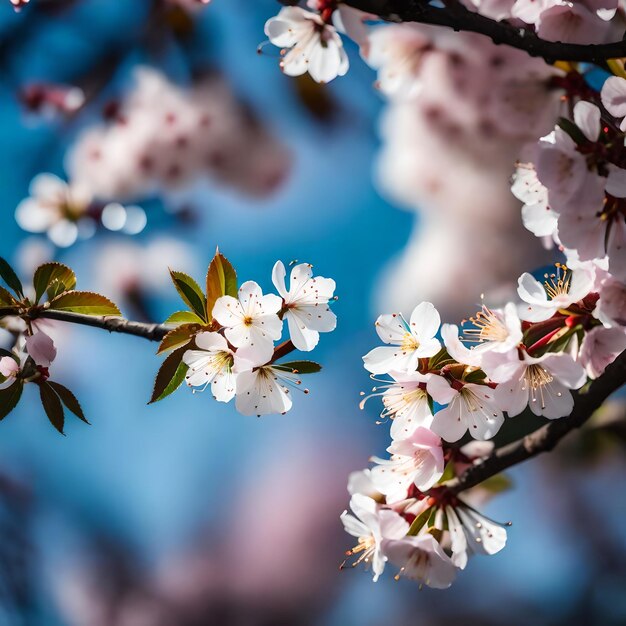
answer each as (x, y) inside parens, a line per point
(185, 512)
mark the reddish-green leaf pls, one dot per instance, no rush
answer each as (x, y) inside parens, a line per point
(221, 280)
(55, 278)
(9, 398)
(184, 317)
(300, 367)
(69, 400)
(84, 302)
(10, 278)
(189, 290)
(170, 376)
(6, 299)
(177, 337)
(52, 406)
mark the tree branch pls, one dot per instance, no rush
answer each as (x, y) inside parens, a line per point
(547, 437)
(153, 332)
(459, 18)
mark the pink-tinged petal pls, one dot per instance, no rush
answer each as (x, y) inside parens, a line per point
(581, 285)
(539, 219)
(565, 370)
(425, 321)
(600, 347)
(440, 390)
(41, 349)
(614, 96)
(392, 525)
(278, 278)
(553, 401)
(448, 423)
(587, 118)
(512, 396)
(502, 367)
(8, 366)
(616, 182)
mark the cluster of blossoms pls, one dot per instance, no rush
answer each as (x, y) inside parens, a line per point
(231, 349)
(582, 21)
(162, 137)
(530, 354)
(574, 192)
(68, 211)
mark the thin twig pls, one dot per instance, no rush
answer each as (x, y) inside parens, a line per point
(547, 437)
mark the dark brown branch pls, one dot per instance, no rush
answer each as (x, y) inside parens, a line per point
(153, 332)
(457, 17)
(548, 436)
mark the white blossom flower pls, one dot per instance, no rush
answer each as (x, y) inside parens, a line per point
(312, 45)
(40, 348)
(305, 304)
(416, 460)
(411, 340)
(497, 330)
(251, 321)
(421, 558)
(543, 383)
(600, 347)
(215, 364)
(371, 526)
(611, 307)
(361, 482)
(406, 401)
(265, 390)
(469, 407)
(55, 207)
(559, 291)
(472, 533)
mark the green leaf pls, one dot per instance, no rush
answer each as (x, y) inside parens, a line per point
(55, 278)
(9, 398)
(52, 406)
(476, 376)
(6, 299)
(572, 130)
(69, 400)
(84, 302)
(300, 367)
(448, 473)
(190, 292)
(184, 317)
(418, 523)
(10, 278)
(170, 376)
(177, 337)
(221, 280)
(497, 483)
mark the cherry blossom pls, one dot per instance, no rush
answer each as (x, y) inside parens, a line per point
(559, 291)
(613, 96)
(542, 383)
(470, 407)
(55, 207)
(265, 390)
(406, 401)
(371, 526)
(422, 559)
(497, 330)
(251, 321)
(305, 304)
(311, 44)
(600, 347)
(611, 306)
(413, 340)
(416, 460)
(214, 364)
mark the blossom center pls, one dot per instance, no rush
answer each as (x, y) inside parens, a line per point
(488, 326)
(409, 343)
(558, 284)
